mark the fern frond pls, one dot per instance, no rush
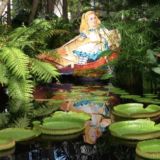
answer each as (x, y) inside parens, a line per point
(44, 110)
(3, 74)
(22, 42)
(41, 24)
(21, 32)
(50, 32)
(4, 118)
(45, 71)
(53, 53)
(20, 122)
(20, 88)
(19, 106)
(15, 60)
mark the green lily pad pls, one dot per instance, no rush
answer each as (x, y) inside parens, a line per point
(143, 99)
(136, 110)
(56, 101)
(19, 134)
(6, 143)
(149, 149)
(130, 96)
(61, 93)
(118, 91)
(62, 123)
(135, 129)
(98, 92)
(156, 101)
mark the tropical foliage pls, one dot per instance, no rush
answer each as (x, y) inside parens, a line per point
(21, 70)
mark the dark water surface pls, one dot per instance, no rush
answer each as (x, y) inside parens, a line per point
(48, 148)
(73, 147)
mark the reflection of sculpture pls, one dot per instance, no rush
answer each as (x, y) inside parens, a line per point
(82, 51)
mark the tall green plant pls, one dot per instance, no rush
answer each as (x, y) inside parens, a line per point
(20, 69)
(18, 63)
(138, 34)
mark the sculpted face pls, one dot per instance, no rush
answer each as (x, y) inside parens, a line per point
(92, 21)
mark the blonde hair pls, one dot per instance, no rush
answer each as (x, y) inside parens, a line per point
(84, 19)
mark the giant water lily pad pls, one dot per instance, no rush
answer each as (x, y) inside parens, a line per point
(136, 110)
(62, 123)
(130, 96)
(6, 143)
(135, 129)
(19, 134)
(144, 99)
(149, 149)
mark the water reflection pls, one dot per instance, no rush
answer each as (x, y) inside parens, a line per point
(74, 146)
(48, 148)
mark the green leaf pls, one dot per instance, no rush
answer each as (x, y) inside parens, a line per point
(44, 70)
(156, 69)
(44, 110)
(4, 118)
(3, 74)
(15, 60)
(152, 58)
(21, 122)
(106, 76)
(149, 146)
(19, 105)
(106, 53)
(19, 134)
(20, 88)
(139, 129)
(6, 143)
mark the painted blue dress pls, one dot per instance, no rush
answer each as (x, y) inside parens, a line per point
(94, 48)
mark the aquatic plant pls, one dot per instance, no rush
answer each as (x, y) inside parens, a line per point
(139, 129)
(136, 110)
(6, 143)
(62, 123)
(149, 149)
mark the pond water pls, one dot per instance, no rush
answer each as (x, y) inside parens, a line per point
(72, 147)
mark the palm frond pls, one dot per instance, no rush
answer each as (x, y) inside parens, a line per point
(3, 74)
(20, 122)
(4, 118)
(19, 106)
(20, 88)
(15, 60)
(45, 71)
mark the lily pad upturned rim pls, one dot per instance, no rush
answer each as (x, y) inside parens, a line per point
(139, 129)
(122, 110)
(149, 149)
(62, 123)
(7, 143)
